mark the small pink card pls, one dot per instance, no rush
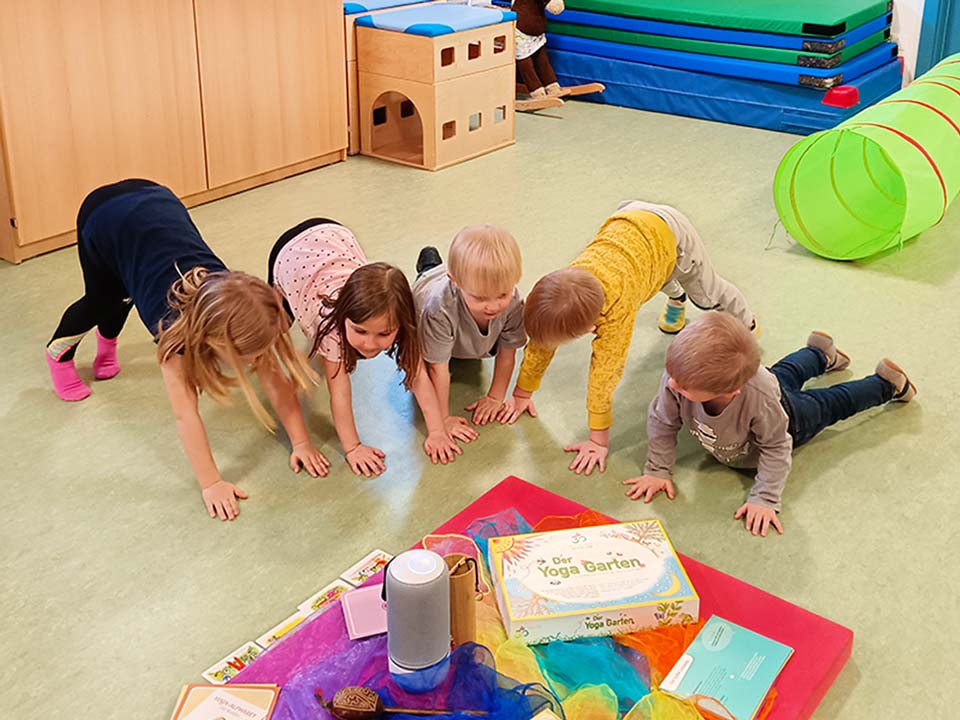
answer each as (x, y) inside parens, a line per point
(364, 612)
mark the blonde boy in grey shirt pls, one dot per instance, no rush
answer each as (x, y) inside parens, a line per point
(748, 416)
(470, 308)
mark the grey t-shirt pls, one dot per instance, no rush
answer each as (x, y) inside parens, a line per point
(448, 330)
(751, 432)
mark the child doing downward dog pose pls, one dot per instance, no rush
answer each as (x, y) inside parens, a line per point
(350, 309)
(747, 416)
(639, 251)
(139, 247)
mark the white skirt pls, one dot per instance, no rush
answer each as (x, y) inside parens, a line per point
(527, 45)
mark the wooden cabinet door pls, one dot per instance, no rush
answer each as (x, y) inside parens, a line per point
(272, 81)
(94, 91)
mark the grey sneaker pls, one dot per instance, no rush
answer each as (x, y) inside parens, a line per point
(903, 389)
(836, 359)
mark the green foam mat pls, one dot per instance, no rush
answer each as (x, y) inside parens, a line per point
(824, 18)
(745, 52)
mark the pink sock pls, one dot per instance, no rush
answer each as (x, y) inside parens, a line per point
(105, 364)
(66, 382)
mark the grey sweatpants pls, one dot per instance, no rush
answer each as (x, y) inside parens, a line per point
(694, 274)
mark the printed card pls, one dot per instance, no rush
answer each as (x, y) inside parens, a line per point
(219, 673)
(373, 563)
(365, 612)
(282, 628)
(231, 702)
(734, 665)
(226, 706)
(325, 597)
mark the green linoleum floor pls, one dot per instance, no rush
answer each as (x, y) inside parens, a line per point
(117, 588)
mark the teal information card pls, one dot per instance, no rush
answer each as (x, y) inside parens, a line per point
(731, 664)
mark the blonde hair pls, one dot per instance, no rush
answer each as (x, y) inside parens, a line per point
(715, 354)
(563, 305)
(230, 318)
(370, 291)
(485, 259)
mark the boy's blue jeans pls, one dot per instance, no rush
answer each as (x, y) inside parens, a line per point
(811, 411)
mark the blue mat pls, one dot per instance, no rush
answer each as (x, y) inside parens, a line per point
(736, 37)
(352, 7)
(732, 67)
(435, 20)
(712, 97)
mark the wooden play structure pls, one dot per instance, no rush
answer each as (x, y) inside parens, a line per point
(436, 83)
(352, 11)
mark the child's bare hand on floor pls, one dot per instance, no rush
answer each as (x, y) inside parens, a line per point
(221, 500)
(485, 410)
(758, 518)
(306, 456)
(365, 460)
(459, 429)
(514, 407)
(441, 447)
(589, 456)
(647, 486)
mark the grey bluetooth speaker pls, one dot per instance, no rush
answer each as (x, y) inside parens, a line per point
(417, 591)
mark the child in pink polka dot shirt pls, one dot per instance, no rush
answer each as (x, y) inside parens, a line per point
(350, 309)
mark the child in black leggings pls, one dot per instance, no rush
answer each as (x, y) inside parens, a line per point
(139, 248)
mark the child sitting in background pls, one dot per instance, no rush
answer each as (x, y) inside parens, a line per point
(638, 251)
(471, 308)
(748, 416)
(138, 246)
(349, 310)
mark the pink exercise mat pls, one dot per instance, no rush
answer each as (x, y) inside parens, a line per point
(822, 647)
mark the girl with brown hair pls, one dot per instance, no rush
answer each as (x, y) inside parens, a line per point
(350, 310)
(139, 247)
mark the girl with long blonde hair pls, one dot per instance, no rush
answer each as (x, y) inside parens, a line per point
(139, 247)
(351, 310)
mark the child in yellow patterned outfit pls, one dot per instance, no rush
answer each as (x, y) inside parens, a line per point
(639, 251)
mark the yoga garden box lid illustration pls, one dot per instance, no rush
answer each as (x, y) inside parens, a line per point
(590, 581)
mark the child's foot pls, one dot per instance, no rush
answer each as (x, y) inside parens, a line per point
(428, 258)
(836, 359)
(66, 382)
(673, 317)
(903, 389)
(105, 364)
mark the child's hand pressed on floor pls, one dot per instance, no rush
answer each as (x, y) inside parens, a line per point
(365, 460)
(305, 455)
(485, 410)
(647, 486)
(589, 456)
(221, 500)
(514, 407)
(441, 448)
(459, 429)
(758, 518)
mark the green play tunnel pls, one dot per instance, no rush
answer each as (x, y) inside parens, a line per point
(879, 178)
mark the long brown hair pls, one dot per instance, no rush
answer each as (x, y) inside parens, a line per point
(370, 291)
(230, 318)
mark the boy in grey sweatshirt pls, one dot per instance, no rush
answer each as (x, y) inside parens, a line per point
(748, 416)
